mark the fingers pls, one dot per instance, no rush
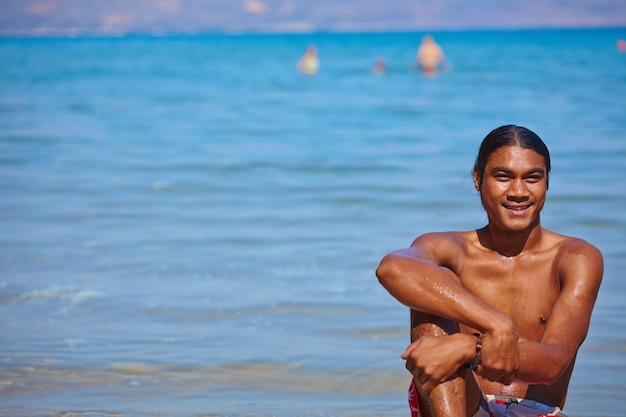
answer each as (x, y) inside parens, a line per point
(427, 386)
(431, 361)
(426, 383)
(423, 383)
(424, 379)
(408, 350)
(500, 360)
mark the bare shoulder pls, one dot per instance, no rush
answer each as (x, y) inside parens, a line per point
(443, 247)
(577, 258)
(569, 247)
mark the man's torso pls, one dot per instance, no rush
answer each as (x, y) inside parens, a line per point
(525, 287)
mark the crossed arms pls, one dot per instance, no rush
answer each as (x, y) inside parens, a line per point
(422, 278)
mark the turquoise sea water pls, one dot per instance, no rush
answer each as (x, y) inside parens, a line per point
(189, 227)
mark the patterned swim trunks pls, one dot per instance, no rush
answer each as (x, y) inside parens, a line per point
(497, 406)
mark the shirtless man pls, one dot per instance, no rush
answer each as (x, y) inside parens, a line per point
(429, 56)
(497, 314)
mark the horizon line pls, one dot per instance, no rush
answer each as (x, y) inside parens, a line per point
(108, 33)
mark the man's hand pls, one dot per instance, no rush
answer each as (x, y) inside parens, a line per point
(434, 360)
(500, 358)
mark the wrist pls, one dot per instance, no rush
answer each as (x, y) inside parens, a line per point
(473, 357)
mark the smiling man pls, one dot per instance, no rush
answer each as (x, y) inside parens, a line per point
(498, 313)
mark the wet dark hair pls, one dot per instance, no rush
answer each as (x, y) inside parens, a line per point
(510, 135)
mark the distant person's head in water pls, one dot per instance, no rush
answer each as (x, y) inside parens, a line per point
(309, 63)
(380, 66)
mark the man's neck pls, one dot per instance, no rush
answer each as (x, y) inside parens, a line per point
(510, 243)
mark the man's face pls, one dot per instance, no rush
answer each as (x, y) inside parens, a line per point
(514, 187)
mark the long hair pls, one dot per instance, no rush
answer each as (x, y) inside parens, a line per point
(509, 135)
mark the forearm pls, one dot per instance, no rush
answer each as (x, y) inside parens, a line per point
(429, 288)
(542, 363)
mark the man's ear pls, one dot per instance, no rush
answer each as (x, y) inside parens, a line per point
(477, 180)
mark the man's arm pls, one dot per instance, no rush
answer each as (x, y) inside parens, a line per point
(580, 272)
(418, 279)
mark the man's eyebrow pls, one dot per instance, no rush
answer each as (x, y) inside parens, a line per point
(537, 170)
(500, 169)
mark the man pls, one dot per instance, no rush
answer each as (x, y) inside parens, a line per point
(429, 56)
(497, 313)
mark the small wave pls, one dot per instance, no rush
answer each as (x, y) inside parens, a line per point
(74, 295)
(161, 185)
(178, 378)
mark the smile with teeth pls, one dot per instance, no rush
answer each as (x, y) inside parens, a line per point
(516, 208)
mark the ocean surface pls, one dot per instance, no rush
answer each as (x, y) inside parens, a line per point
(189, 227)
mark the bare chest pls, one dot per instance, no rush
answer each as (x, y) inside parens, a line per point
(525, 288)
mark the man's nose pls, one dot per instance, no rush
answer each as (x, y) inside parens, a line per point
(518, 189)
